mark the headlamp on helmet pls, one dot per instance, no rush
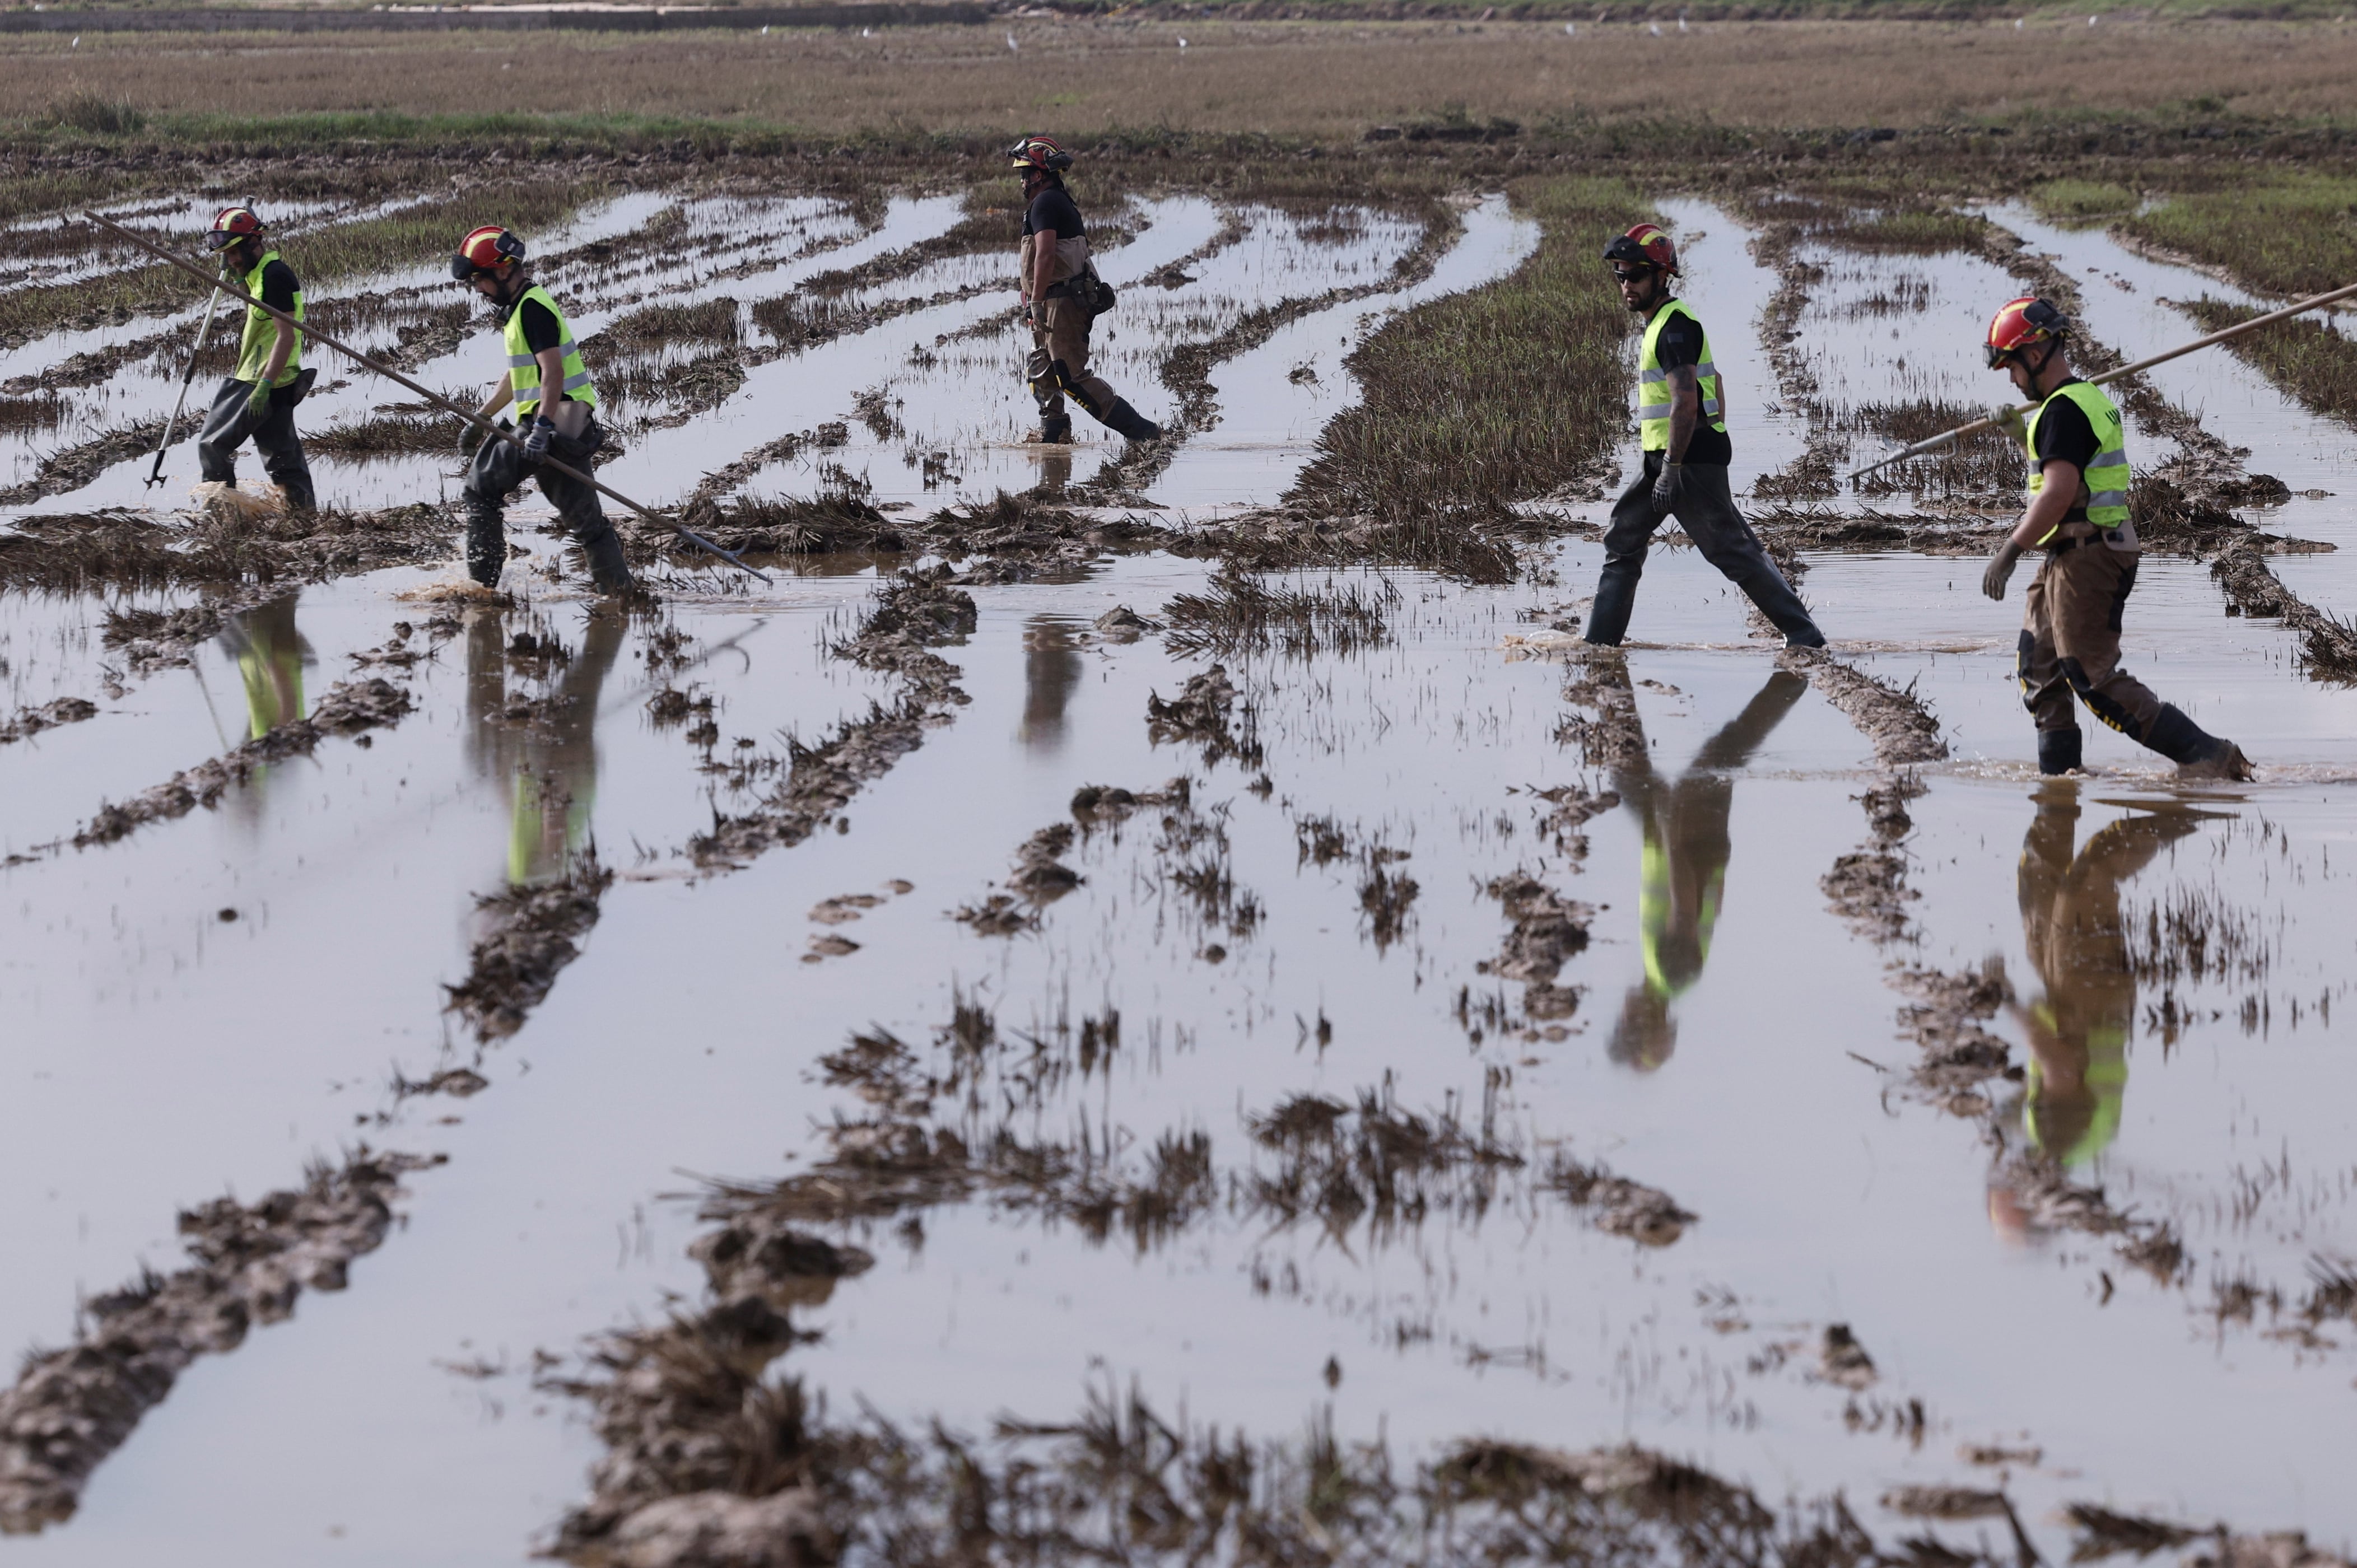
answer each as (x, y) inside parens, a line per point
(489, 249)
(2019, 323)
(231, 225)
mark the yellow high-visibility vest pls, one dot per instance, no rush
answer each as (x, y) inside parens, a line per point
(523, 365)
(1653, 389)
(261, 332)
(2106, 475)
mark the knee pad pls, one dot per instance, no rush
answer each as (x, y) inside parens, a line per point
(1077, 389)
(1040, 374)
(2102, 706)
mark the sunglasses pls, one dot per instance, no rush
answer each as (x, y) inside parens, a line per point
(1638, 276)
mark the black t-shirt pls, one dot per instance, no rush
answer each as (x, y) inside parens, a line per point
(1054, 210)
(540, 329)
(279, 287)
(2065, 435)
(1681, 344)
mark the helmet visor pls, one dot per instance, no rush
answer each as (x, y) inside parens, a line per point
(221, 239)
(462, 270)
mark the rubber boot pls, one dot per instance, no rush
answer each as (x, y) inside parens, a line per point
(2197, 753)
(487, 545)
(1126, 421)
(2059, 749)
(608, 570)
(300, 495)
(1607, 618)
(1055, 430)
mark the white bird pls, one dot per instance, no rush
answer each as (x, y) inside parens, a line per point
(1657, 29)
(77, 43)
(1182, 43)
(866, 33)
(765, 31)
(2090, 21)
(1571, 29)
(1682, 24)
(1012, 47)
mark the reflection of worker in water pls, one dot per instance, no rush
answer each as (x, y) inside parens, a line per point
(1685, 868)
(1051, 670)
(269, 654)
(2078, 1031)
(547, 754)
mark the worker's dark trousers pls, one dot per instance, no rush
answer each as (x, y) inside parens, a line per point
(1705, 510)
(2071, 644)
(500, 468)
(229, 426)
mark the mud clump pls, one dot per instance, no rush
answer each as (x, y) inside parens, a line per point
(1902, 730)
(49, 716)
(1200, 714)
(2103, 1533)
(1103, 805)
(1869, 887)
(533, 932)
(1842, 1359)
(1122, 624)
(1240, 615)
(1618, 1206)
(913, 613)
(2328, 645)
(1611, 736)
(350, 707)
(1040, 876)
(1548, 930)
(70, 1407)
(821, 525)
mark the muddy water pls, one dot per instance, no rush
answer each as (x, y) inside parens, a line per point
(158, 1053)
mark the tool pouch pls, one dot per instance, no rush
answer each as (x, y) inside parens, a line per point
(295, 390)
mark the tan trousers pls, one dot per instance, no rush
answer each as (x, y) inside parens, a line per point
(1060, 329)
(2071, 643)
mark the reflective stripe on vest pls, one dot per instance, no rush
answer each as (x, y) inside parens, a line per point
(523, 365)
(261, 332)
(1655, 392)
(2107, 476)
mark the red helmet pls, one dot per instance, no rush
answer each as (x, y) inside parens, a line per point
(2019, 323)
(489, 249)
(1644, 246)
(1041, 153)
(232, 224)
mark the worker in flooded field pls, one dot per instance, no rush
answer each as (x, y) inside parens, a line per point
(1062, 296)
(257, 402)
(2078, 513)
(1682, 421)
(1682, 872)
(556, 416)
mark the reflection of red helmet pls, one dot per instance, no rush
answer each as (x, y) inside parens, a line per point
(2019, 323)
(232, 224)
(1040, 153)
(1644, 246)
(489, 249)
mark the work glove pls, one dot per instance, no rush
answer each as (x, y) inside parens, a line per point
(470, 436)
(257, 402)
(2008, 418)
(536, 438)
(1667, 485)
(2000, 569)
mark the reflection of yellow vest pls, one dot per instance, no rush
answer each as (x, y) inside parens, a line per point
(529, 860)
(1653, 918)
(268, 680)
(2107, 1084)
(261, 333)
(523, 365)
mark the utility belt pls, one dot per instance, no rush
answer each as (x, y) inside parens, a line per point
(1089, 292)
(2076, 530)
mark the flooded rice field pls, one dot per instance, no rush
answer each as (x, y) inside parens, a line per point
(974, 1050)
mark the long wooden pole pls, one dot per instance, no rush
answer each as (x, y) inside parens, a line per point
(1933, 443)
(204, 335)
(435, 398)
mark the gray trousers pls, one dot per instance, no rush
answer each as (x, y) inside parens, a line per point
(229, 426)
(499, 469)
(1705, 510)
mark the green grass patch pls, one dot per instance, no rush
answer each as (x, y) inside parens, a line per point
(2081, 201)
(2312, 359)
(2293, 236)
(1502, 393)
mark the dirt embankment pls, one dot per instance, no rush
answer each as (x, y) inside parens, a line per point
(71, 1408)
(1901, 728)
(2328, 648)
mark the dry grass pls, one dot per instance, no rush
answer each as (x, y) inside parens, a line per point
(1324, 80)
(2295, 234)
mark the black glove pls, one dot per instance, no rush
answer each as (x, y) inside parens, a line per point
(2000, 569)
(1666, 486)
(471, 436)
(536, 439)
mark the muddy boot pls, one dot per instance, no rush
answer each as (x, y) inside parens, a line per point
(1126, 421)
(1607, 618)
(2059, 750)
(1055, 430)
(487, 545)
(300, 495)
(608, 570)
(2197, 753)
